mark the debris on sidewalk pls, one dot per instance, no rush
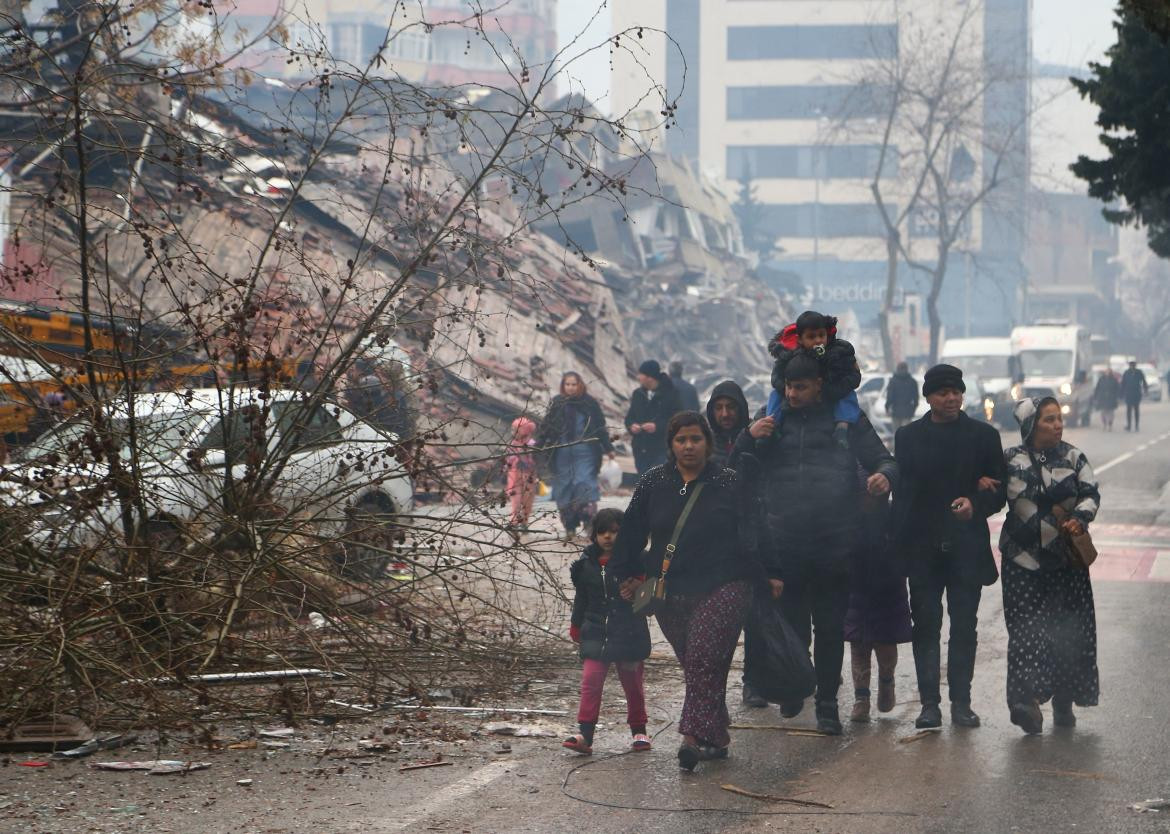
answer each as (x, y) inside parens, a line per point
(33, 764)
(278, 732)
(422, 765)
(767, 797)
(244, 783)
(92, 746)
(154, 767)
(503, 728)
(1151, 806)
(240, 677)
(54, 733)
(246, 744)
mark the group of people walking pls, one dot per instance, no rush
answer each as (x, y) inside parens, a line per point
(791, 508)
(1132, 386)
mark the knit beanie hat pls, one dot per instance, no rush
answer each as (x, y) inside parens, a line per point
(942, 376)
(650, 368)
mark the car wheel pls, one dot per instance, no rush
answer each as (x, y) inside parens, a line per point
(371, 533)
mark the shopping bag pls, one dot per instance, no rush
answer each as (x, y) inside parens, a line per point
(610, 475)
(782, 671)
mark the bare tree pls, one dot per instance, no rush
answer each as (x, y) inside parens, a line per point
(939, 160)
(247, 259)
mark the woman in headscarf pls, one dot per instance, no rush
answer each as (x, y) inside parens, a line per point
(574, 438)
(1047, 595)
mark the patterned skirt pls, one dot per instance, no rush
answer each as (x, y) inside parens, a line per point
(1052, 635)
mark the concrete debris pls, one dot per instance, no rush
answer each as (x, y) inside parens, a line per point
(501, 728)
(1151, 806)
(154, 767)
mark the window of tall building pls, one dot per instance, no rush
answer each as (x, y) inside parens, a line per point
(805, 102)
(773, 43)
(808, 161)
(824, 220)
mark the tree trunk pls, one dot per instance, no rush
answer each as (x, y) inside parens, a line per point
(888, 300)
(936, 282)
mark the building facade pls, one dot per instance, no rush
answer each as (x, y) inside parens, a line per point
(768, 91)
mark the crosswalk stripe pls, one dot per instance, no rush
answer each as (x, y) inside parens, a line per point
(1161, 568)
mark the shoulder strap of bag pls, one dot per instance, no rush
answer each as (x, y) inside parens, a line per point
(678, 528)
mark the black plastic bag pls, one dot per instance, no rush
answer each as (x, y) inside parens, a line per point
(782, 670)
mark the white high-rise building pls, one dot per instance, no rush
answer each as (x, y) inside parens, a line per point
(761, 88)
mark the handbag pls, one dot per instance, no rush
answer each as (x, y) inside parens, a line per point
(1081, 550)
(650, 595)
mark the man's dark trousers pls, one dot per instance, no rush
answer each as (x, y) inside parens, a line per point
(1133, 414)
(816, 603)
(927, 587)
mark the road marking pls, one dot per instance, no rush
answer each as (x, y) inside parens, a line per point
(1161, 568)
(406, 817)
(1124, 457)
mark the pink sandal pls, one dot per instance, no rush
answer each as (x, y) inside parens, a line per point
(641, 742)
(577, 744)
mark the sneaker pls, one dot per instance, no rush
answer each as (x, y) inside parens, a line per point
(887, 698)
(688, 756)
(930, 718)
(841, 435)
(752, 698)
(962, 716)
(1062, 714)
(641, 742)
(1028, 718)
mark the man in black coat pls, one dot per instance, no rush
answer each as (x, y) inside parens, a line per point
(952, 479)
(728, 415)
(812, 497)
(688, 397)
(901, 396)
(652, 405)
(1133, 387)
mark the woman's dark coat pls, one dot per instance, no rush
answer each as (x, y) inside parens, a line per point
(879, 605)
(810, 487)
(977, 452)
(610, 630)
(553, 428)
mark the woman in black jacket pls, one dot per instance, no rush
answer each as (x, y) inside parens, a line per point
(709, 579)
(607, 631)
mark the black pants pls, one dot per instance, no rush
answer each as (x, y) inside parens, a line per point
(1133, 414)
(816, 603)
(926, 609)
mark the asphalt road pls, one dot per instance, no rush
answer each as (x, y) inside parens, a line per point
(987, 780)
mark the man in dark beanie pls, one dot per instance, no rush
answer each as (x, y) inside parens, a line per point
(652, 405)
(813, 503)
(952, 478)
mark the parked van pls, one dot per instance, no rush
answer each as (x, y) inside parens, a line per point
(991, 361)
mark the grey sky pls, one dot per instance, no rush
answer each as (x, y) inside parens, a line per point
(1068, 32)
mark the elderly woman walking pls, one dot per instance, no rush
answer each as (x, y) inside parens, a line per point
(1047, 596)
(575, 439)
(711, 560)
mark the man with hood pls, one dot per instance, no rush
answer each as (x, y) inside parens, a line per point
(652, 405)
(952, 480)
(727, 413)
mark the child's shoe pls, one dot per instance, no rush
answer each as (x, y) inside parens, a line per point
(641, 742)
(841, 435)
(578, 744)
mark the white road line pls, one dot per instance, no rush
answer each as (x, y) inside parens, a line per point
(1161, 567)
(1123, 458)
(406, 817)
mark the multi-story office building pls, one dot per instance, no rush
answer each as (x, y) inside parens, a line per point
(762, 87)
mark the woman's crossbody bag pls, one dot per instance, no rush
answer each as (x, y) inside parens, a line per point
(1081, 550)
(650, 595)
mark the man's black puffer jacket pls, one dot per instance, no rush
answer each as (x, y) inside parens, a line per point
(610, 631)
(812, 494)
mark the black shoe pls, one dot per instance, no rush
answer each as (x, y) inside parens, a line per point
(828, 720)
(1028, 718)
(791, 709)
(962, 716)
(752, 698)
(689, 756)
(709, 752)
(930, 718)
(841, 435)
(1062, 714)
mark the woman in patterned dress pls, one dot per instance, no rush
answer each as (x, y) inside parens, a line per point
(1047, 599)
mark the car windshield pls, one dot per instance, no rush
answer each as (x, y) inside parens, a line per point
(1046, 362)
(985, 367)
(158, 437)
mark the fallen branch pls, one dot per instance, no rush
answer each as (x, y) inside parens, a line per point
(920, 735)
(786, 730)
(767, 797)
(405, 768)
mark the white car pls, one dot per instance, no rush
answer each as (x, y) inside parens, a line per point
(871, 394)
(1154, 380)
(331, 468)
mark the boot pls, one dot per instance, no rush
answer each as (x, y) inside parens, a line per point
(791, 709)
(860, 654)
(828, 719)
(962, 715)
(1028, 718)
(752, 697)
(1062, 713)
(887, 658)
(930, 718)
